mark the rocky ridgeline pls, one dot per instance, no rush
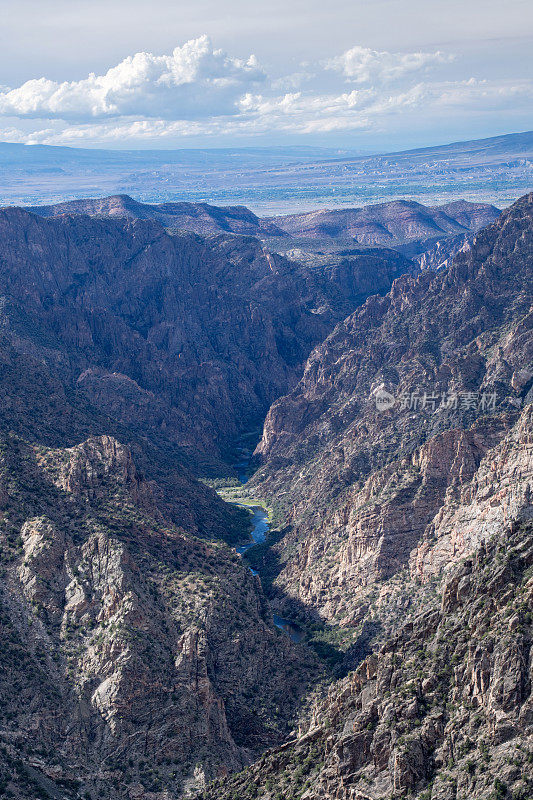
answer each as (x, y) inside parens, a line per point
(393, 224)
(430, 235)
(135, 658)
(199, 218)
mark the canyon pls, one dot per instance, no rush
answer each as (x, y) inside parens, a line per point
(382, 358)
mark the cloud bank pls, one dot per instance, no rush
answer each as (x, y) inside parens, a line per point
(194, 81)
(199, 91)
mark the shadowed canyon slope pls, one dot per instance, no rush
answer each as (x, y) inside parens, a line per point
(186, 338)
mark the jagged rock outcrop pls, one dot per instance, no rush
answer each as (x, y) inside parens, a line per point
(136, 660)
(442, 711)
(439, 254)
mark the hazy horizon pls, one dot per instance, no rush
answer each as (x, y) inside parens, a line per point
(353, 151)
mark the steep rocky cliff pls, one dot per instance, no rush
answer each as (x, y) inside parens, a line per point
(394, 414)
(135, 657)
(443, 711)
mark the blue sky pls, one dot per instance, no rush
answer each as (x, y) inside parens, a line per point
(366, 74)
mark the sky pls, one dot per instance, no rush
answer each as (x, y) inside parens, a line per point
(362, 74)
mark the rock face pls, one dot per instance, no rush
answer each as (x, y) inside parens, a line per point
(437, 255)
(498, 495)
(442, 711)
(135, 658)
(367, 469)
(184, 339)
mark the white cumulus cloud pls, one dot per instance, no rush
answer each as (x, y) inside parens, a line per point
(363, 65)
(194, 81)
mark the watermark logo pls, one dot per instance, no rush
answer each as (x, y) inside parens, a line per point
(383, 399)
(434, 402)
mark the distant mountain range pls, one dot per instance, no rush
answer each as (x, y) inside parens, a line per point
(201, 218)
(391, 224)
(276, 180)
(432, 234)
